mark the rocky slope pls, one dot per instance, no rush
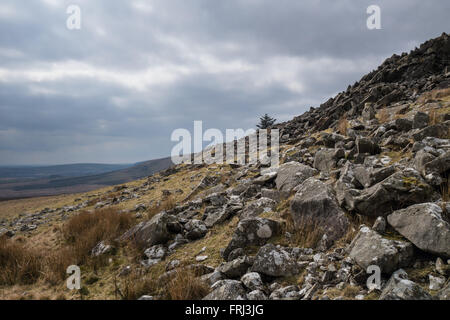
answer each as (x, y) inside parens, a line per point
(363, 182)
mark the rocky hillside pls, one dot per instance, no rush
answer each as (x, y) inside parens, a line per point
(363, 183)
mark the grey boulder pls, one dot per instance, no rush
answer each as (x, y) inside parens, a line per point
(315, 204)
(227, 290)
(401, 189)
(399, 287)
(370, 248)
(235, 268)
(291, 174)
(252, 232)
(274, 261)
(326, 159)
(151, 232)
(423, 225)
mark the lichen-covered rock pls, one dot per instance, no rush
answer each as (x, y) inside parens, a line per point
(315, 204)
(100, 249)
(370, 248)
(399, 287)
(326, 159)
(274, 261)
(423, 225)
(252, 281)
(252, 232)
(221, 214)
(151, 232)
(156, 252)
(236, 268)
(291, 174)
(227, 290)
(286, 293)
(399, 190)
(256, 295)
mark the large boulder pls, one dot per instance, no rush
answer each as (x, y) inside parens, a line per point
(368, 176)
(151, 232)
(252, 232)
(236, 268)
(370, 248)
(227, 290)
(291, 174)
(438, 165)
(401, 189)
(423, 225)
(275, 262)
(439, 130)
(326, 159)
(399, 287)
(315, 204)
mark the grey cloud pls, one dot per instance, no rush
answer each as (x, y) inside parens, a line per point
(116, 89)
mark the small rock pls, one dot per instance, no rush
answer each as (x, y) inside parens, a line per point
(436, 283)
(201, 258)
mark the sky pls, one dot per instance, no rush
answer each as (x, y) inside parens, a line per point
(114, 90)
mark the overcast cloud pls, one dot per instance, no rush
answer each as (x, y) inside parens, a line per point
(114, 91)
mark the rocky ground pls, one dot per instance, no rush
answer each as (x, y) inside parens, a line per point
(363, 181)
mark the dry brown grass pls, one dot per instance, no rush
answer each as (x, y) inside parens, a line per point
(306, 233)
(167, 204)
(18, 263)
(383, 115)
(135, 286)
(343, 126)
(437, 94)
(21, 264)
(348, 292)
(433, 117)
(186, 286)
(83, 231)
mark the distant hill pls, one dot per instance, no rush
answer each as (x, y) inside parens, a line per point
(25, 182)
(58, 171)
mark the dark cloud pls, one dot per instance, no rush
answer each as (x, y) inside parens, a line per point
(116, 89)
